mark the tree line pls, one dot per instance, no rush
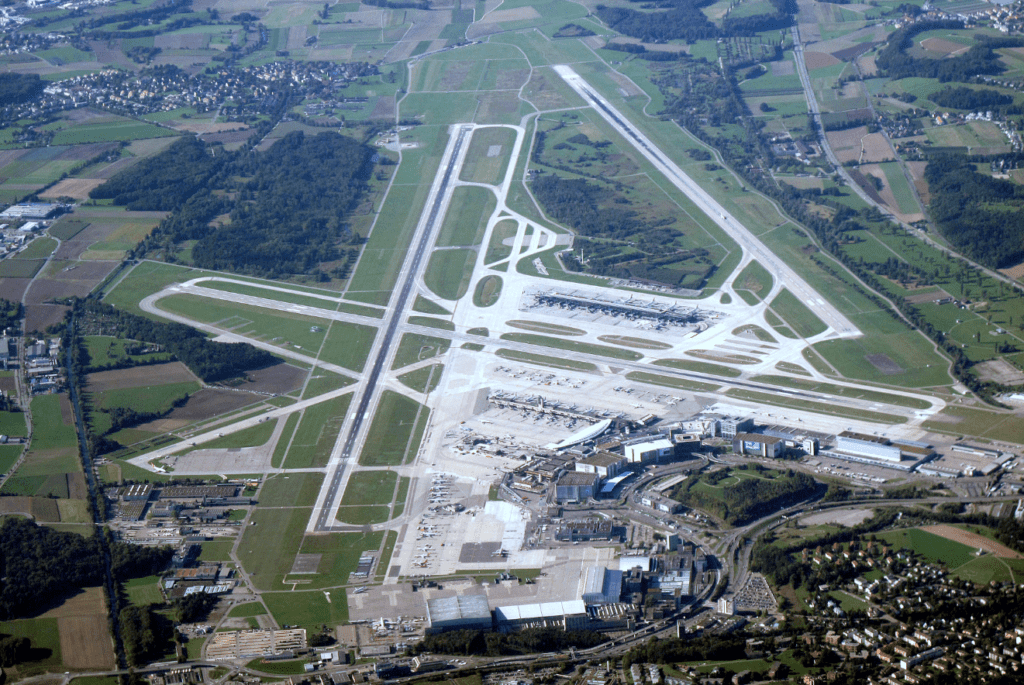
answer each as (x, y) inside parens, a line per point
(18, 88)
(211, 361)
(488, 643)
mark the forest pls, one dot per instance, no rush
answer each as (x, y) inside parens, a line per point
(680, 19)
(274, 213)
(211, 361)
(615, 240)
(18, 88)
(748, 499)
(980, 59)
(683, 19)
(678, 650)
(962, 97)
(487, 643)
(41, 567)
(11, 314)
(980, 215)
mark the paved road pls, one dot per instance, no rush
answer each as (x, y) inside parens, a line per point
(782, 273)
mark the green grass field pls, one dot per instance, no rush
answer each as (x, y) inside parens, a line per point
(544, 360)
(13, 424)
(340, 554)
(424, 379)
(931, 547)
(573, 346)
(448, 272)
(291, 490)
(496, 250)
(794, 312)
(216, 550)
(105, 352)
(317, 432)
(415, 347)
(487, 291)
(670, 382)
(44, 636)
(305, 609)
(246, 610)
(144, 591)
(753, 280)
(49, 431)
(348, 345)
(484, 163)
(816, 407)
(432, 323)
(543, 327)
(842, 391)
(253, 436)
(466, 218)
(700, 367)
(268, 547)
(370, 487)
(395, 434)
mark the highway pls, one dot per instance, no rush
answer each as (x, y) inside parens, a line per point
(750, 244)
(326, 506)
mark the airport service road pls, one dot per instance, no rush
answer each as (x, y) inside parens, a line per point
(354, 432)
(750, 244)
(148, 305)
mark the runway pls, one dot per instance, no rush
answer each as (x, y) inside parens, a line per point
(324, 512)
(750, 244)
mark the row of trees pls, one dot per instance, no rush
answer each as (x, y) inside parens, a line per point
(211, 361)
(487, 643)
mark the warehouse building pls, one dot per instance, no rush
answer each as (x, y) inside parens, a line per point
(649, 451)
(604, 464)
(463, 612)
(577, 487)
(570, 615)
(602, 586)
(872, 447)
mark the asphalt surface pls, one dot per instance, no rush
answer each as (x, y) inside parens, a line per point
(324, 520)
(783, 274)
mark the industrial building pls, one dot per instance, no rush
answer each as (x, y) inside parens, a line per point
(758, 445)
(649, 450)
(860, 445)
(463, 612)
(602, 586)
(577, 487)
(30, 210)
(570, 615)
(589, 531)
(604, 464)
